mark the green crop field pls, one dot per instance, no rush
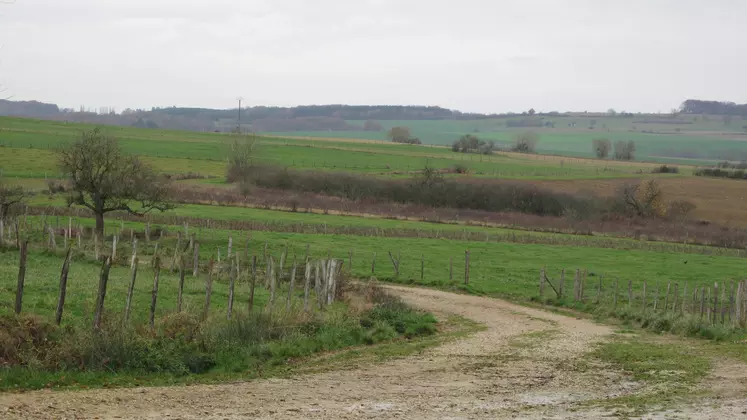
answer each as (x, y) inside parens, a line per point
(28, 152)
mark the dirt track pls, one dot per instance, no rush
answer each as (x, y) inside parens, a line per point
(520, 366)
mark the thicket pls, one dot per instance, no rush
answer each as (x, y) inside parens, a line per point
(428, 188)
(181, 344)
(472, 144)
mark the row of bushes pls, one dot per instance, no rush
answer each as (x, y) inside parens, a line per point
(722, 173)
(431, 189)
(183, 345)
(427, 189)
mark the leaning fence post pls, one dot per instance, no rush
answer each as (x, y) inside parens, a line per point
(422, 266)
(154, 294)
(666, 298)
(675, 298)
(542, 283)
(134, 252)
(21, 275)
(63, 287)
(130, 290)
(101, 295)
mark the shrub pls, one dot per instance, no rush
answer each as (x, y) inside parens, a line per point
(664, 169)
(525, 142)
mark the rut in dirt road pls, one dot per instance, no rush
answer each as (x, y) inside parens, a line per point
(481, 376)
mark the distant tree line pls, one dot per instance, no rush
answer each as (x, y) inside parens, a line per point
(693, 106)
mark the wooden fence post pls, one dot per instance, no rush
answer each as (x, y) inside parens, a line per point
(230, 247)
(560, 286)
(350, 260)
(395, 263)
(177, 251)
(466, 267)
(180, 290)
(253, 283)
(617, 285)
(630, 293)
(196, 260)
(306, 287)
(422, 267)
(683, 305)
(154, 294)
(599, 290)
(666, 298)
(542, 283)
(291, 286)
(715, 302)
(451, 268)
(331, 281)
(101, 295)
(373, 264)
(273, 281)
(63, 287)
(134, 252)
(576, 282)
(675, 298)
(643, 296)
(702, 301)
(583, 285)
(208, 289)
(130, 290)
(231, 286)
(114, 248)
(21, 275)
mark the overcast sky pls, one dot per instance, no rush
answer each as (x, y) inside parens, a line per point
(471, 55)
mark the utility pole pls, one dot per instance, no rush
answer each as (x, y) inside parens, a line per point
(238, 126)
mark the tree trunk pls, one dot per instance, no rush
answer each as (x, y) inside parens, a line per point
(100, 224)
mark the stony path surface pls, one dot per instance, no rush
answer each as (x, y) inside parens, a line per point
(520, 366)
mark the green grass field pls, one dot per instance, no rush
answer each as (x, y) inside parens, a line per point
(28, 151)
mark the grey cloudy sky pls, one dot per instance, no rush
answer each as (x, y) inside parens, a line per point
(472, 55)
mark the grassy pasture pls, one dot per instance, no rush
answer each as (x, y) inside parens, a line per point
(497, 268)
(28, 147)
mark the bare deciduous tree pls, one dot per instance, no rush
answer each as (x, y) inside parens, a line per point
(104, 179)
(625, 150)
(601, 147)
